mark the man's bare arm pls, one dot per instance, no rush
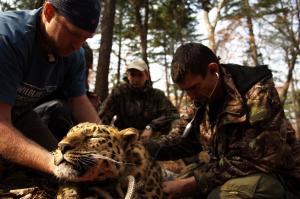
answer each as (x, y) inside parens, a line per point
(179, 187)
(17, 148)
(83, 110)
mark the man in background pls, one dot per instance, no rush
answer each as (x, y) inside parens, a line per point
(137, 104)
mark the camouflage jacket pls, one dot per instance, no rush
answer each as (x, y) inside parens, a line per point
(138, 108)
(250, 133)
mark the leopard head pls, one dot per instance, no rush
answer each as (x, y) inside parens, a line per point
(92, 152)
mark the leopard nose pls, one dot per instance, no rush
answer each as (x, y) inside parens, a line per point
(63, 147)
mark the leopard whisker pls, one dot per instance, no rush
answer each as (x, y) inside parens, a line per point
(110, 153)
(82, 153)
(104, 153)
(87, 161)
(99, 156)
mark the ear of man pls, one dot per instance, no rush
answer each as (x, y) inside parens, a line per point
(48, 11)
(214, 68)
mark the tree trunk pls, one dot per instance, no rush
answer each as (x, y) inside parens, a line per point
(142, 25)
(295, 106)
(211, 25)
(292, 51)
(120, 28)
(166, 67)
(291, 66)
(210, 32)
(167, 76)
(252, 44)
(286, 84)
(107, 25)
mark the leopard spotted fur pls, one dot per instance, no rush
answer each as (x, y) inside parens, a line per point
(105, 156)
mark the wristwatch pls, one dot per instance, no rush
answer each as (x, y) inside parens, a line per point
(148, 127)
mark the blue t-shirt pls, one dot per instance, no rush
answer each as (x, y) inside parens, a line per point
(26, 75)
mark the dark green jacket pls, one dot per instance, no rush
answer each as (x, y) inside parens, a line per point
(138, 108)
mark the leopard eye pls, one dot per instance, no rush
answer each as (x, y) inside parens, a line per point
(88, 137)
(65, 147)
(92, 137)
(96, 139)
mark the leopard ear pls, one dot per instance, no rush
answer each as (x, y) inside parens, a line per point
(129, 135)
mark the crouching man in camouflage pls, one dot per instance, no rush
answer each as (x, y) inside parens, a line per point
(252, 147)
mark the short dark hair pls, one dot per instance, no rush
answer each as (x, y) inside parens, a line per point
(191, 57)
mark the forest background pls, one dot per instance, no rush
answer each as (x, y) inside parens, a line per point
(246, 32)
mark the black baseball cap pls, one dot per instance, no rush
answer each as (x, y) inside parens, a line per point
(82, 13)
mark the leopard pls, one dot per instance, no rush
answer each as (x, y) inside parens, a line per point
(106, 157)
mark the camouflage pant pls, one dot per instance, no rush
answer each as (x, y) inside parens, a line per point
(255, 186)
(258, 186)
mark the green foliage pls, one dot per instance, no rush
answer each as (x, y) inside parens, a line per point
(173, 22)
(24, 4)
(4, 5)
(174, 18)
(267, 7)
(234, 9)
(20, 4)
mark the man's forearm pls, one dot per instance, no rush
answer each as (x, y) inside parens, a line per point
(19, 149)
(83, 111)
